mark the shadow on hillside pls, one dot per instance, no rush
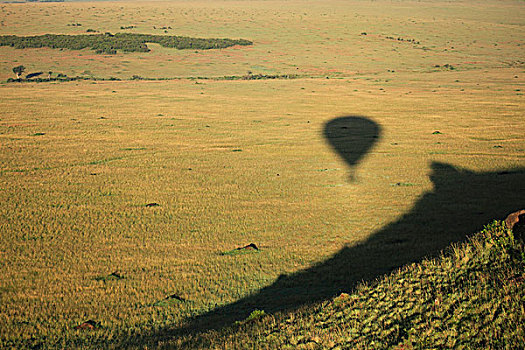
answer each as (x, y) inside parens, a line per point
(462, 202)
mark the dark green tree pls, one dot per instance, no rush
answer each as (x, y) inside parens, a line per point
(18, 70)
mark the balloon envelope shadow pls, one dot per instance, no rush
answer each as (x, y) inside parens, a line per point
(461, 203)
(352, 137)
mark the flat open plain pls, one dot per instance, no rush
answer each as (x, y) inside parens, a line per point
(233, 162)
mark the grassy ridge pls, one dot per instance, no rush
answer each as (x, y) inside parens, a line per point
(109, 43)
(470, 297)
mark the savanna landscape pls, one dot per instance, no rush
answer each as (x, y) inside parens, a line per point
(262, 174)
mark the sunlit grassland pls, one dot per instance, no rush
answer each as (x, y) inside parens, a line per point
(229, 162)
(314, 38)
(74, 198)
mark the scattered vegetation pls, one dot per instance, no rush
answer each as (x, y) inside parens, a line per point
(413, 41)
(109, 43)
(63, 77)
(255, 315)
(445, 66)
(259, 76)
(60, 77)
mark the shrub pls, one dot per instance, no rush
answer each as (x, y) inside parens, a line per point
(108, 43)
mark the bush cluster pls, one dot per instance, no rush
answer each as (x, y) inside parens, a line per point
(109, 43)
(60, 78)
(403, 39)
(259, 77)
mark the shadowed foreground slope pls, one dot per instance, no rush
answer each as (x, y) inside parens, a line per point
(461, 202)
(470, 297)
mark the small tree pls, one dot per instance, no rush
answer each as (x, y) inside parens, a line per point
(18, 70)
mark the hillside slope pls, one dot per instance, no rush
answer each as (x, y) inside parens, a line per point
(470, 297)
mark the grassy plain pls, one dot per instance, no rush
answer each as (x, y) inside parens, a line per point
(232, 162)
(314, 38)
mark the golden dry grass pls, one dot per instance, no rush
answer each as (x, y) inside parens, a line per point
(80, 160)
(315, 38)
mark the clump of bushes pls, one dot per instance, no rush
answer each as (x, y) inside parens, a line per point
(413, 41)
(250, 76)
(109, 43)
(60, 77)
(445, 66)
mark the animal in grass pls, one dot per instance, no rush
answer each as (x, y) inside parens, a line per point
(516, 222)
